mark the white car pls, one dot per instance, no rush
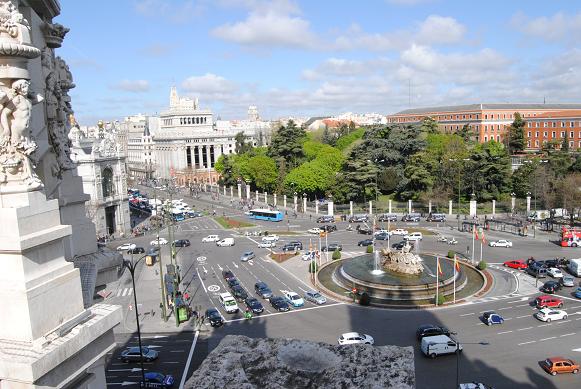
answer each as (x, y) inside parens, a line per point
(555, 273)
(270, 238)
(210, 238)
(225, 242)
(160, 241)
(314, 230)
(381, 232)
(500, 243)
(548, 314)
(308, 256)
(414, 236)
(399, 231)
(126, 247)
(266, 245)
(293, 298)
(354, 338)
(568, 280)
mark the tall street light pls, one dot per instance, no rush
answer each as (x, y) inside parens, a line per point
(130, 265)
(458, 356)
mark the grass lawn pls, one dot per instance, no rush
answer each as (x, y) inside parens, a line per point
(230, 223)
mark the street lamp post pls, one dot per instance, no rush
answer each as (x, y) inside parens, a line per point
(304, 203)
(131, 267)
(458, 356)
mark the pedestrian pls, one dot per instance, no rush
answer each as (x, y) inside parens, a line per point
(310, 216)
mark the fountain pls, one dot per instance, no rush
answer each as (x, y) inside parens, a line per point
(376, 270)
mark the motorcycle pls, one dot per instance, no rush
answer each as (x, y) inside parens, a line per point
(349, 228)
(248, 315)
(452, 241)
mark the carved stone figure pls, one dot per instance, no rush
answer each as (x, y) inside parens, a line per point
(401, 262)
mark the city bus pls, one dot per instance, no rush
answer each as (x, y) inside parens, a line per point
(178, 215)
(265, 214)
(571, 237)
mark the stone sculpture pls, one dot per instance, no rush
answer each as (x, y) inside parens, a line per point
(402, 262)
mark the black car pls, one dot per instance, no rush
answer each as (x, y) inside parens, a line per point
(391, 217)
(262, 290)
(551, 287)
(214, 317)
(332, 247)
(227, 274)
(431, 330)
(364, 230)
(328, 227)
(296, 243)
(239, 293)
(548, 263)
(365, 242)
(289, 247)
(358, 219)
(254, 305)
(325, 219)
(137, 250)
(382, 236)
(411, 217)
(181, 243)
(233, 282)
(133, 355)
(279, 304)
(400, 245)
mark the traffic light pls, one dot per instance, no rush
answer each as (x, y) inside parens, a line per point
(354, 290)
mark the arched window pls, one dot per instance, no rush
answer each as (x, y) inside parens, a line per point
(197, 120)
(107, 182)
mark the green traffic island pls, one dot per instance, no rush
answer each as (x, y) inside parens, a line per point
(232, 223)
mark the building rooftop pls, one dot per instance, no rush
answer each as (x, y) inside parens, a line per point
(480, 107)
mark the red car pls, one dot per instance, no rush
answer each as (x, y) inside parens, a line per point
(516, 264)
(545, 301)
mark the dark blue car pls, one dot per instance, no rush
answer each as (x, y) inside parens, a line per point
(158, 380)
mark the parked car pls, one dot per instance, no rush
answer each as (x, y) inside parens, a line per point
(548, 315)
(289, 247)
(266, 244)
(536, 270)
(558, 365)
(325, 219)
(309, 256)
(210, 238)
(577, 293)
(247, 256)
(411, 217)
(500, 243)
(315, 297)
(555, 273)
(225, 242)
(227, 274)
(355, 338)
(414, 236)
(315, 230)
(399, 231)
(254, 305)
(551, 287)
(232, 282)
(262, 289)
(490, 318)
(436, 217)
(279, 304)
(358, 218)
(296, 243)
(329, 227)
(365, 242)
(158, 380)
(516, 264)
(384, 217)
(136, 250)
(132, 354)
(181, 243)
(126, 247)
(382, 236)
(546, 301)
(214, 317)
(332, 247)
(431, 330)
(567, 280)
(194, 214)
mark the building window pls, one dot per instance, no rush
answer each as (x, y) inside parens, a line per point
(498, 138)
(553, 134)
(572, 124)
(545, 134)
(107, 182)
(562, 134)
(485, 138)
(536, 143)
(571, 143)
(572, 134)
(528, 144)
(530, 133)
(537, 134)
(562, 124)
(545, 124)
(554, 124)
(537, 125)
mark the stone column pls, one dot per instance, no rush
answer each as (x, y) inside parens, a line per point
(266, 198)
(429, 206)
(493, 208)
(370, 207)
(473, 207)
(512, 203)
(528, 204)
(295, 203)
(284, 201)
(224, 190)
(231, 192)
(350, 208)
(330, 208)
(316, 207)
(208, 161)
(247, 192)
(449, 207)
(256, 195)
(304, 205)
(389, 206)
(274, 199)
(239, 191)
(409, 206)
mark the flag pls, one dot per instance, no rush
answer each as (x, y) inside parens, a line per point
(456, 263)
(483, 238)
(475, 232)
(439, 267)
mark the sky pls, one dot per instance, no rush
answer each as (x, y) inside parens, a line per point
(317, 57)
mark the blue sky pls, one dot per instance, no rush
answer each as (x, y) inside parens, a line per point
(322, 57)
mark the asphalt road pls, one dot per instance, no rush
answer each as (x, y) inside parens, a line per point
(510, 360)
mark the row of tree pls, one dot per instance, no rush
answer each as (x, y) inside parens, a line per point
(404, 161)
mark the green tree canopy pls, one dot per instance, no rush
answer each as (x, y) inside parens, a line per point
(287, 143)
(516, 135)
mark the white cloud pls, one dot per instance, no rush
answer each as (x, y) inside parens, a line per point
(555, 28)
(136, 86)
(271, 24)
(209, 86)
(440, 30)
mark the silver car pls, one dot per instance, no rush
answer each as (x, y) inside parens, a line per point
(568, 281)
(315, 297)
(247, 256)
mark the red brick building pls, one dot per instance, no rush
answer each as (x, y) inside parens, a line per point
(544, 122)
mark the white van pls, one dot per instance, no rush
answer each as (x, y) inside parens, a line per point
(228, 302)
(575, 267)
(210, 238)
(414, 236)
(432, 346)
(225, 242)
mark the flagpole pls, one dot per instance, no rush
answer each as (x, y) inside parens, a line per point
(455, 278)
(481, 244)
(473, 241)
(437, 278)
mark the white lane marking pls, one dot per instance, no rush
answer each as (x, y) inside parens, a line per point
(500, 309)
(503, 332)
(523, 329)
(572, 333)
(288, 312)
(124, 292)
(520, 317)
(119, 291)
(202, 281)
(130, 292)
(552, 337)
(532, 341)
(467, 314)
(522, 305)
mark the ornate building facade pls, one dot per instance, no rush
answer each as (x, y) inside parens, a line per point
(139, 146)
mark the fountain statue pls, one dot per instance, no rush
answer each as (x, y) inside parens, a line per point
(403, 262)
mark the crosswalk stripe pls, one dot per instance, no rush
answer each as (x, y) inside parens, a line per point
(119, 292)
(130, 292)
(124, 292)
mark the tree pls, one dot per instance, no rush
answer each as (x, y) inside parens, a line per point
(241, 145)
(417, 178)
(287, 143)
(568, 194)
(565, 143)
(516, 135)
(466, 133)
(263, 172)
(388, 179)
(327, 137)
(490, 169)
(523, 179)
(429, 125)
